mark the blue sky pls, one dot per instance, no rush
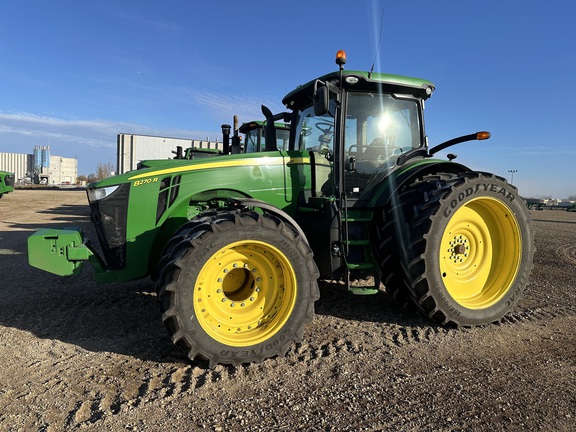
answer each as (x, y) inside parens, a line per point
(74, 74)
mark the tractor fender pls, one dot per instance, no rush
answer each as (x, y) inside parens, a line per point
(398, 179)
(178, 214)
(268, 208)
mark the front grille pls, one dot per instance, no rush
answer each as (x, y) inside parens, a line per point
(168, 193)
(175, 189)
(109, 216)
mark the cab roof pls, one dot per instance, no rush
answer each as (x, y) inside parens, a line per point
(366, 81)
(259, 124)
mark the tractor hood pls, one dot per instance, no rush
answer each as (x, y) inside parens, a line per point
(171, 166)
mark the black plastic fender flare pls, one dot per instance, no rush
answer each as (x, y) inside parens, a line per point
(281, 214)
(407, 177)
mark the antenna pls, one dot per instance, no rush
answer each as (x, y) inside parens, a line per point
(377, 46)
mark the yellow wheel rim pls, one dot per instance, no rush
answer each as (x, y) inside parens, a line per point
(245, 293)
(480, 253)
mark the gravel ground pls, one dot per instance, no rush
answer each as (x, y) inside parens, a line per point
(75, 355)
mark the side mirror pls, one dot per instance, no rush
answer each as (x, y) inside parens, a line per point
(321, 100)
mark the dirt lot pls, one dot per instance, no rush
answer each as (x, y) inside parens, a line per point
(79, 356)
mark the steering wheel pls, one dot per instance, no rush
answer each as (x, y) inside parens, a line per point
(329, 127)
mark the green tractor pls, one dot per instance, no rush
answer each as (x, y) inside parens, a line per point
(237, 243)
(6, 182)
(254, 141)
(254, 134)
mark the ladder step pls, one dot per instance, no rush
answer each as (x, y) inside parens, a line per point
(357, 219)
(357, 242)
(360, 266)
(363, 290)
(358, 216)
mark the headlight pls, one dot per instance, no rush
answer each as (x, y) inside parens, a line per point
(100, 193)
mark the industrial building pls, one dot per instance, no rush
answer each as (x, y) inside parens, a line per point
(132, 148)
(40, 167)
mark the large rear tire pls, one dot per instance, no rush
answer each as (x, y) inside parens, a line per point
(238, 288)
(468, 252)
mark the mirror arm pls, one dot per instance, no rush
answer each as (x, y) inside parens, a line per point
(454, 141)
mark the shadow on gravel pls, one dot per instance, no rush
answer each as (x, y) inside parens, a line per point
(15, 241)
(72, 212)
(124, 318)
(66, 216)
(27, 229)
(59, 188)
(554, 221)
(336, 301)
(120, 318)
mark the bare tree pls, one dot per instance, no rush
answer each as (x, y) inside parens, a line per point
(104, 170)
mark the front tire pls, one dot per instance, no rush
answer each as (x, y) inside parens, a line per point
(238, 288)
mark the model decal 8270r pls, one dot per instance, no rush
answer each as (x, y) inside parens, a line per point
(145, 181)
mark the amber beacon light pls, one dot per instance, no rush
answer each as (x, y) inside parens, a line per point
(341, 58)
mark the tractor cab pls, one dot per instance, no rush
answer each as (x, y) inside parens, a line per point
(364, 124)
(358, 129)
(255, 136)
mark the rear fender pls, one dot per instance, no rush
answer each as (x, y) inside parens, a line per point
(397, 180)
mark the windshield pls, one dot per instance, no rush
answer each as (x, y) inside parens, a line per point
(379, 128)
(255, 139)
(282, 138)
(251, 142)
(316, 133)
